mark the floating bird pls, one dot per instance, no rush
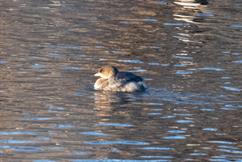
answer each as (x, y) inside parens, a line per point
(111, 79)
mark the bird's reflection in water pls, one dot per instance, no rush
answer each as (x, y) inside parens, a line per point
(108, 100)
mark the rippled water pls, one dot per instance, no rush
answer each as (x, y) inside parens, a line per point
(189, 53)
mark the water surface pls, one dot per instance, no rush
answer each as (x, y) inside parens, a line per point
(189, 54)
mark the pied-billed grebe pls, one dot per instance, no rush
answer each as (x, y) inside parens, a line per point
(111, 79)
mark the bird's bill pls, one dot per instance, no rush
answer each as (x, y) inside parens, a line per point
(97, 74)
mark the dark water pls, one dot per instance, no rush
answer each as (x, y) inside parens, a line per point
(189, 54)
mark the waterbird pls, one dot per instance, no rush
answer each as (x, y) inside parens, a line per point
(111, 79)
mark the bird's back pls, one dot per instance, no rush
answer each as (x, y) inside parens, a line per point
(128, 77)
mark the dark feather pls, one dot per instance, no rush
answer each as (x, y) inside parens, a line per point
(128, 77)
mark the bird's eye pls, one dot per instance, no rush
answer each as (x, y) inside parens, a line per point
(101, 70)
